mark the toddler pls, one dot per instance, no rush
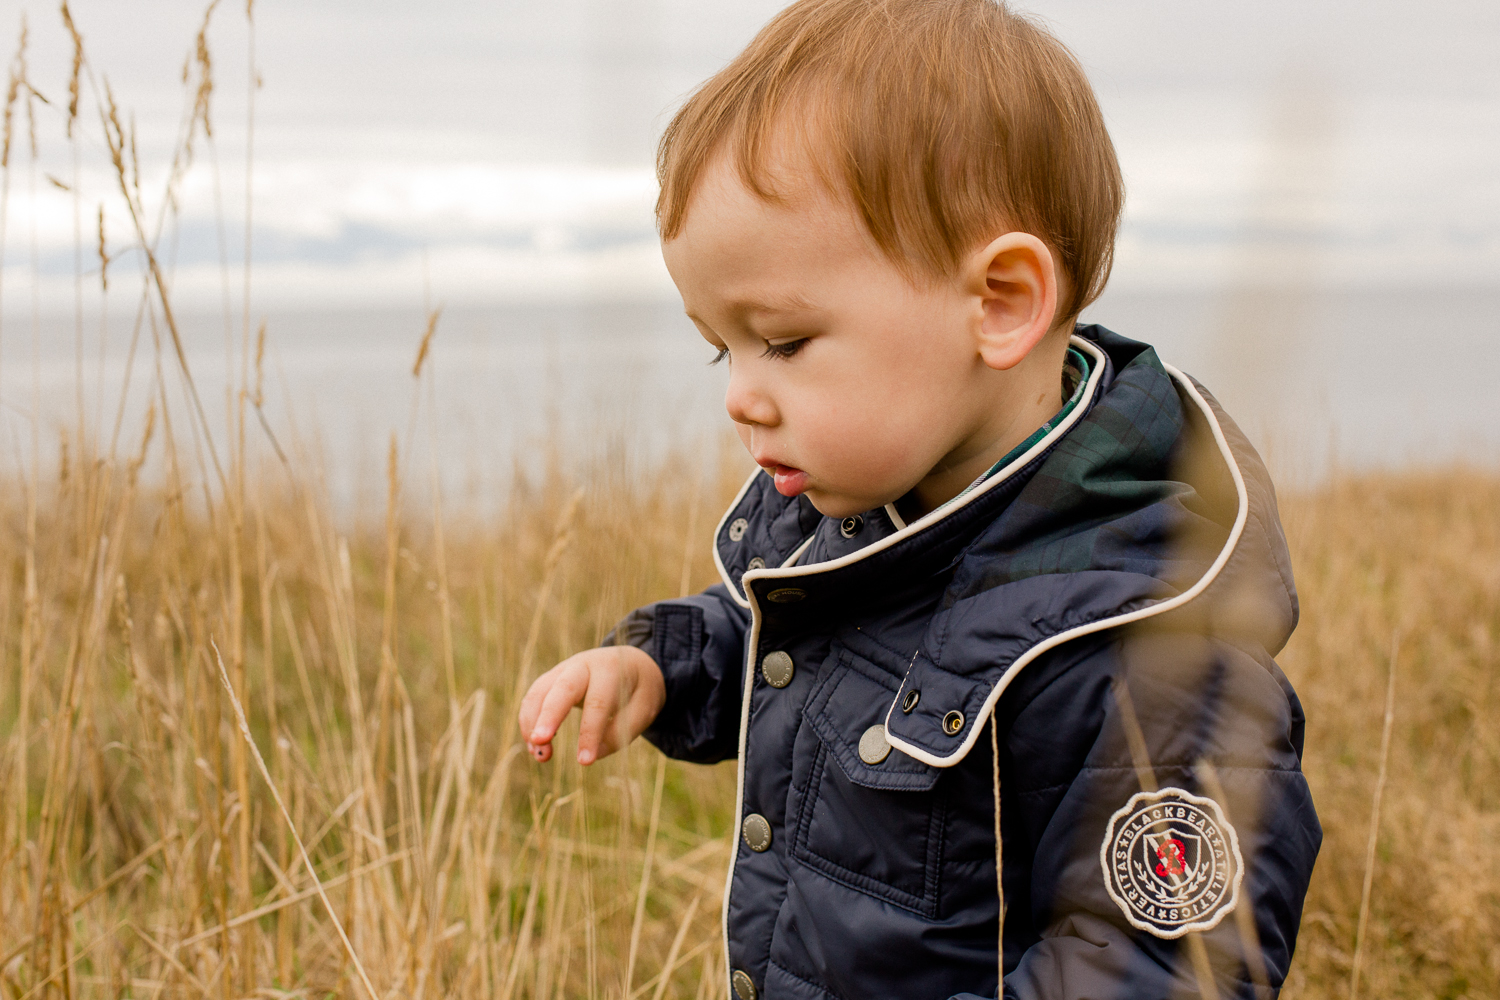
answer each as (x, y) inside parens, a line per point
(993, 645)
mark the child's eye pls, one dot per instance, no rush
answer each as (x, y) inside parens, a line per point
(723, 353)
(784, 350)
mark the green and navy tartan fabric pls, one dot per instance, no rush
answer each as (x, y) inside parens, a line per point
(1106, 496)
(1075, 379)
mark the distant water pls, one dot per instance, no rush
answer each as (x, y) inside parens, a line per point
(1387, 378)
(503, 391)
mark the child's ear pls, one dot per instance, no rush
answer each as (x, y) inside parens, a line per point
(1016, 282)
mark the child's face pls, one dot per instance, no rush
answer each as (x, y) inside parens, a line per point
(847, 382)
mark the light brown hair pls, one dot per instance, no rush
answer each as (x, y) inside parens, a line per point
(942, 120)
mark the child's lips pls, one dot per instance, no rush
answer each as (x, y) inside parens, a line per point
(790, 482)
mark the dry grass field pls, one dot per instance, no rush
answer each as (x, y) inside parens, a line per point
(144, 854)
(143, 850)
(375, 828)
(1404, 570)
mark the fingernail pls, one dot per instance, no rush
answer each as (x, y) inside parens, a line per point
(585, 756)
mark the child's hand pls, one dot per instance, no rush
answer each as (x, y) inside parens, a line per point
(620, 688)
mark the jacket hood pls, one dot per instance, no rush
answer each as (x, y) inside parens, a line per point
(1147, 507)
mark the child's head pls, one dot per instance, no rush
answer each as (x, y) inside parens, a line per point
(930, 180)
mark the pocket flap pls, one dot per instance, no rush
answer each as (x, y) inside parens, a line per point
(853, 696)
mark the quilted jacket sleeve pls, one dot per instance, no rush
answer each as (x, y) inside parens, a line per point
(1219, 732)
(699, 643)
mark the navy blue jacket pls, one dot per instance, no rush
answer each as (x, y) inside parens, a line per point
(1112, 599)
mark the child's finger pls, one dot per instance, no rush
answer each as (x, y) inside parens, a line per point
(531, 704)
(568, 688)
(600, 704)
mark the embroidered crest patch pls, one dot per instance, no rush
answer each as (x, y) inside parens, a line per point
(1171, 862)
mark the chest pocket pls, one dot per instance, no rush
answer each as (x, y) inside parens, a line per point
(876, 827)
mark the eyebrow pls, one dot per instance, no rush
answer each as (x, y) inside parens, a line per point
(782, 302)
(779, 303)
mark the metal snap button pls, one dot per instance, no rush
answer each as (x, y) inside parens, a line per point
(873, 746)
(953, 723)
(910, 701)
(743, 987)
(757, 832)
(849, 526)
(777, 668)
(737, 529)
(786, 595)
(756, 563)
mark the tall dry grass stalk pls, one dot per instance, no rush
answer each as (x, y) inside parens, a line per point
(1374, 840)
(339, 806)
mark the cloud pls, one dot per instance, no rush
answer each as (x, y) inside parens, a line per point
(1261, 145)
(356, 233)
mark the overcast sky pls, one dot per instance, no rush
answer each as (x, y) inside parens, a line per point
(508, 144)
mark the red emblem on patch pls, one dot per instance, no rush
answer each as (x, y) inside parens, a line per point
(1173, 855)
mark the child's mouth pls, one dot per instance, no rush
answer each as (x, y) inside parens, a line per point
(790, 482)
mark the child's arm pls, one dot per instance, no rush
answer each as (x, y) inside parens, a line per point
(675, 677)
(1143, 716)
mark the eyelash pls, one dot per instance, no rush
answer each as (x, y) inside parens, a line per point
(784, 351)
(781, 351)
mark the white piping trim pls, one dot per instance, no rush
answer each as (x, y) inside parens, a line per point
(719, 528)
(752, 641)
(1161, 607)
(895, 516)
(791, 560)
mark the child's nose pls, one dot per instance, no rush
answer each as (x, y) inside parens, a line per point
(748, 403)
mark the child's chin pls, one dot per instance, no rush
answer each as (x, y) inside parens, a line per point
(835, 506)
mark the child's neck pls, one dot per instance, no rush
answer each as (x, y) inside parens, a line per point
(1030, 396)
